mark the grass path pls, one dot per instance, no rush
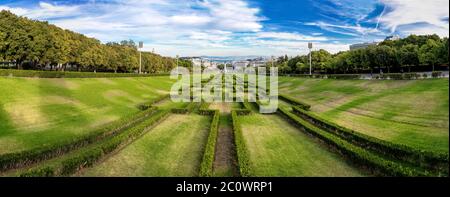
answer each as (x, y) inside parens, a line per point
(174, 148)
(279, 149)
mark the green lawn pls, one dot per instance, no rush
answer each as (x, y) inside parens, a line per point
(173, 148)
(38, 112)
(278, 149)
(410, 112)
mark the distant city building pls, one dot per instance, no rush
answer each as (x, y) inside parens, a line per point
(367, 44)
(214, 62)
(362, 45)
(392, 38)
(240, 64)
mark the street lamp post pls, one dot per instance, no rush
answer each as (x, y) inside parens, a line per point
(272, 59)
(310, 46)
(141, 45)
(178, 70)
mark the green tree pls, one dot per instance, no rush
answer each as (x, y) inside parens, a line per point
(385, 57)
(428, 53)
(320, 59)
(408, 56)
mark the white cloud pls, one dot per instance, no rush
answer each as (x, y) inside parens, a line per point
(234, 15)
(191, 20)
(18, 11)
(425, 29)
(47, 10)
(432, 12)
(346, 29)
(289, 36)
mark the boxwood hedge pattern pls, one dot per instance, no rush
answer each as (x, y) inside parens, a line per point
(206, 167)
(431, 160)
(24, 158)
(384, 76)
(145, 106)
(188, 109)
(60, 74)
(241, 148)
(245, 109)
(373, 162)
(294, 102)
(90, 155)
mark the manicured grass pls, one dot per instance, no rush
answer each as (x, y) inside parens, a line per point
(173, 148)
(410, 112)
(39, 112)
(277, 148)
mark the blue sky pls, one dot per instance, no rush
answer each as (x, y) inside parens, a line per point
(240, 27)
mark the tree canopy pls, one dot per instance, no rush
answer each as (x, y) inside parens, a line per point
(33, 44)
(389, 56)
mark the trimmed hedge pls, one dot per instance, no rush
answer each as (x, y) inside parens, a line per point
(245, 109)
(437, 74)
(430, 160)
(188, 109)
(331, 76)
(90, 155)
(406, 76)
(294, 101)
(392, 76)
(242, 112)
(145, 106)
(247, 106)
(241, 148)
(60, 74)
(24, 158)
(204, 105)
(376, 164)
(206, 167)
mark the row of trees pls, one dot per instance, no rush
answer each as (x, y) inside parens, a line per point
(31, 44)
(388, 56)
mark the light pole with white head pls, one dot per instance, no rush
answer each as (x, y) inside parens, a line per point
(310, 46)
(178, 69)
(141, 45)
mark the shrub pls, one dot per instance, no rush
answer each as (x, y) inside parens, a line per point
(145, 106)
(436, 74)
(41, 172)
(409, 76)
(394, 76)
(241, 149)
(206, 167)
(180, 111)
(294, 101)
(247, 106)
(344, 76)
(188, 109)
(59, 74)
(375, 163)
(20, 159)
(430, 160)
(73, 164)
(242, 112)
(204, 105)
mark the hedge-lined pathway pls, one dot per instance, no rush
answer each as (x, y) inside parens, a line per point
(225, 163)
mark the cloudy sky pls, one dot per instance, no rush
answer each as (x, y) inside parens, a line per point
(240, 27)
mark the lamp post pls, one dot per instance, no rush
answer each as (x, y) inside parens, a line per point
(272, 59)
(141, 45)
(310, 46)
(178, 70)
